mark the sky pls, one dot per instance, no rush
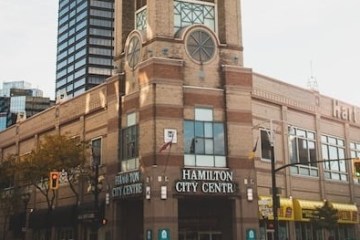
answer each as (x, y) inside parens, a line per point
(297, 40)
(291, 41)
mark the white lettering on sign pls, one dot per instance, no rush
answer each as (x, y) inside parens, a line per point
(127, 178)
(207, 175)
(127, 184)
(346, 113)
(206, 181)
(127, 190)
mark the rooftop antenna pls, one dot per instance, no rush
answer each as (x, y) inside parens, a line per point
(312, 82)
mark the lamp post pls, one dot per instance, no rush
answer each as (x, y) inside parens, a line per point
(96, 190)
(25, 197)
(274, 193)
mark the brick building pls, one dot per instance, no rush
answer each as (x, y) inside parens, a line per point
(180, 79)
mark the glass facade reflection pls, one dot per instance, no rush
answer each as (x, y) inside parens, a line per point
(85, 45)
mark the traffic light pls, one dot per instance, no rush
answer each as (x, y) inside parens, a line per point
(356, 167)
(54, 180)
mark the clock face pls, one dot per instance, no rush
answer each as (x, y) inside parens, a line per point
(200, 46)
(133, 51)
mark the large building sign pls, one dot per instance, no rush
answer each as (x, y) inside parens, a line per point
(346, 113)
(206, 181)
(127, 184)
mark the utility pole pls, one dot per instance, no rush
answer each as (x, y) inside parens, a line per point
(273, 184)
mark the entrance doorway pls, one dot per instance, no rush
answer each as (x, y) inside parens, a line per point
(205, 219)
(200, 236)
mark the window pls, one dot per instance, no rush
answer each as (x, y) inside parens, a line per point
(101, 23)
(100, 61)
(101, 4)
(355, 153)
(334, 149)
(100, 71)
(101, 13)
(141, 19)
(265, 144)
(96, 151)
(101, 32)
(302, 150)
(187, 13)
(204, 140)
(101, 51)
(129, 143)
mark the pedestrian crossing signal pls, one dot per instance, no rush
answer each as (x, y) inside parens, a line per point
(54, 180)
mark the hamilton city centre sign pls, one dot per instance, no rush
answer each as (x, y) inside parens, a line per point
(206, 181)
(127, 184)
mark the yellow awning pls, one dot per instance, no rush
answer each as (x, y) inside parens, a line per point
(305, 209)
(347, 213)
(285, 212)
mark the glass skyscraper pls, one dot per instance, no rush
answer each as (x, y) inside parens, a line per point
(85, 45)
(19, 101)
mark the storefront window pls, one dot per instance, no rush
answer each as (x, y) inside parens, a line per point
(204, 140)
(334, 149)
(302, 150)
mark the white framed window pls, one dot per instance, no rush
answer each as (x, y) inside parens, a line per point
(333, 148)
(302, 150)
(204, 140)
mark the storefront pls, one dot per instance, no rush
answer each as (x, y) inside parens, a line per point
(299, 212)
(304, 210)
(285, 216)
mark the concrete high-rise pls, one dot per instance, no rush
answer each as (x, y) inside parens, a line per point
(85, 45)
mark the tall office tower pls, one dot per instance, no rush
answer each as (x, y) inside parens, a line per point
(85, 45)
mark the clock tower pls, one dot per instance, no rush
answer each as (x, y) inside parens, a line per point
(180, 63)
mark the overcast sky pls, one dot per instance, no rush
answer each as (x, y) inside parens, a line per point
(283, 39)
(286, 40)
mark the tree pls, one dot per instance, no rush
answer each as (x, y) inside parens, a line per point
(325, 217)
(55, 153)
(9, 199)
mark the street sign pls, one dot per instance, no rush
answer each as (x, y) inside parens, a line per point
(250, 234)
(164, 234)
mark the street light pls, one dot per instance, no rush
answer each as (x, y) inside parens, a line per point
(274, 192)
(96, 153)
(25, 197)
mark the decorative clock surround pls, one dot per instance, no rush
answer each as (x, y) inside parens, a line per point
(133, 49)
(200, 45)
